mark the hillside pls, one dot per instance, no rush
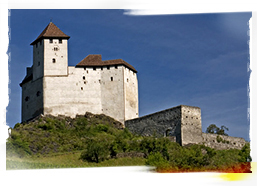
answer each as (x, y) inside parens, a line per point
(98, 140)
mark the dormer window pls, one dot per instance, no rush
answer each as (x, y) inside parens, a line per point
(60, 40)
(50, 40)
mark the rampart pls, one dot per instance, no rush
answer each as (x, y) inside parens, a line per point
(181, 124)
(221, 142)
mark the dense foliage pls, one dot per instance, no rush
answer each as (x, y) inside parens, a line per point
(98, 139)
(213, 129)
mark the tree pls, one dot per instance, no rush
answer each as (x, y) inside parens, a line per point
(213, 129)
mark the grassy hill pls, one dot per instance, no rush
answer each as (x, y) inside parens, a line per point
(98, 140)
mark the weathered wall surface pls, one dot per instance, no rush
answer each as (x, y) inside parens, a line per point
(32, 99)
(55, 51)
(131, 94)
(160, 123)
(112, 92)
(97, 90)
(75, 94)
(222, 142)
(191, 127)
(38, 60)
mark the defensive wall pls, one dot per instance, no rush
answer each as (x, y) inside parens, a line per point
(182, 124)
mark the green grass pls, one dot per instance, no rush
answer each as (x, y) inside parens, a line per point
(66, 160)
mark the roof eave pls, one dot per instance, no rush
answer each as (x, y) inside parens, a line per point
(49, 37)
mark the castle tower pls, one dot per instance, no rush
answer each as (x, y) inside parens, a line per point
(50, 53)
(51, 87)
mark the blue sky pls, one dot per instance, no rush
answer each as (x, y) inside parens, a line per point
(192, 59)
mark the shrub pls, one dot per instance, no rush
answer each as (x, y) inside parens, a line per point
(98, 149)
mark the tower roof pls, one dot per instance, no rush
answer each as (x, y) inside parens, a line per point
(95, 60)
(51, 31)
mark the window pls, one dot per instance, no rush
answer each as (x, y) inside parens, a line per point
(84, 77)
(94, 68)
(27, 98)
(111, 78)
(60, 40)
(108, 68)
(101, 68)
(81, 88)
(116, 66)
(127, 80)
(38, 93)
(50, 40)
(53, 60)
(85, 68)
(38, 63)
(56, 49)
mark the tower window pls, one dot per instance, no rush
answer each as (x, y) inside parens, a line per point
(116, 66)
(111, 78)
(50, 40)
(56, 49)
(53, 60)
(108, 68)
(94, 68)
(84, 77)
(81, 88)
(60, 40)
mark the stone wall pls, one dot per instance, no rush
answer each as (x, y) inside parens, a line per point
(191, 127)
(32, 99)
(222, 142)
(163, 123)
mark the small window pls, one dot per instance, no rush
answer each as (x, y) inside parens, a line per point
(101, 68)
(108, 68)
(84, 77)
(111, 78)
(116, 66)
(38, 63)
(87, 71)
(85, 68)
(81, 88)
(127, 80)
(56, 49)
(186, 116)
(60, 40)
(50, 40)
(53, 60)
(38, 93)
(27, 98)
(94, 68)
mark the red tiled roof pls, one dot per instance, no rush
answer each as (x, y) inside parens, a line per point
(51, 31)
(95, 60)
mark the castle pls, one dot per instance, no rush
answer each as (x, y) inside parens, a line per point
(52, 87)
(110, 87)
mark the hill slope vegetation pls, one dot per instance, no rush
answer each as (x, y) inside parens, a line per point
(98, 140)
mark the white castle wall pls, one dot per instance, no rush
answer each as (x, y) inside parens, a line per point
(131, 94)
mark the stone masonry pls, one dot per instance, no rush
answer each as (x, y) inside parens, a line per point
(181, 124)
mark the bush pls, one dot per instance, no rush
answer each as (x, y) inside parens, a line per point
(98, 149)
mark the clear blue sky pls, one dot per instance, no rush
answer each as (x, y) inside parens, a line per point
(193, 59)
